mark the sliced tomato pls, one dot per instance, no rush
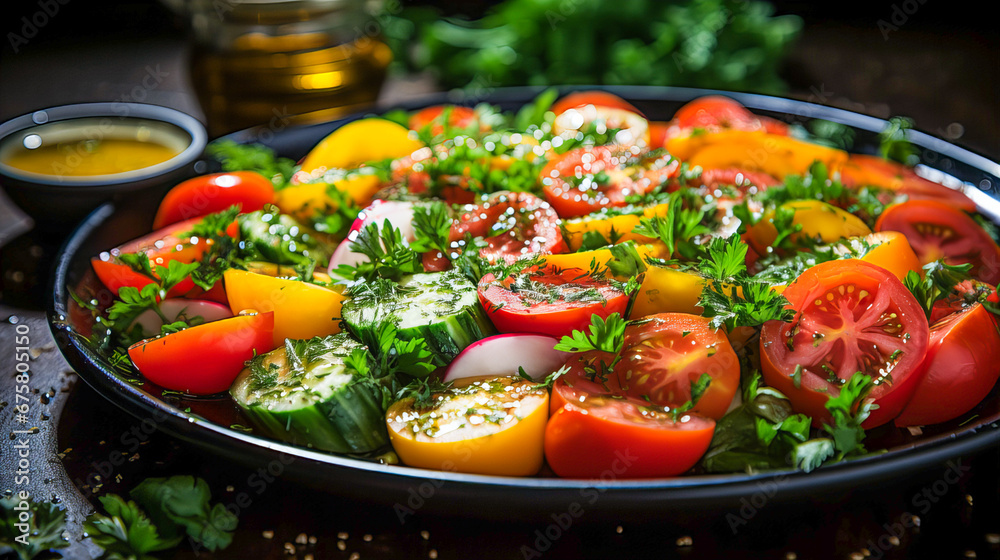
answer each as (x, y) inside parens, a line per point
(730, 186)
(863, 170)
(548, 301)
(850, 316)
(458, 118)
(587, 179)
(207, 194)
(938, 230)
(614, 438)
(161, 246)
(714, 112)
(205, 359)
(594, 97)
(578, 111)
(513, 224)
(663, 354)
(961, 367)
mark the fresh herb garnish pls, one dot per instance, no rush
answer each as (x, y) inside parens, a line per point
(937, 283)
(677, 229)
(45, 528)
(733, 298)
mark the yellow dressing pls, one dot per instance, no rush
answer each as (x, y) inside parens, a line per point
(89, 157)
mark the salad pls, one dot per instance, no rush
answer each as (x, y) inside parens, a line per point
(565, 290)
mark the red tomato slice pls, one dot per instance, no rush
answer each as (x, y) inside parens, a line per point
(663, 354)
(725, 180)
(584, 180)
(938, 230)
(161, 246)
(574, 387)
(862, 170)
(214, 193)
(548, 302)
(595, 98)
(746, 182)
(850, 316)
(458, 117)
(514, 225)
(961, 367)
(613, 438)
(716, 112)
(205, 359)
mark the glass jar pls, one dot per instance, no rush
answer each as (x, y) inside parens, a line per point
(255, 62)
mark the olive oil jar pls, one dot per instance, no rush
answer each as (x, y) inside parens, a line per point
(261, 62)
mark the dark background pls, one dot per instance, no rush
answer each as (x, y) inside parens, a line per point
(941, 68)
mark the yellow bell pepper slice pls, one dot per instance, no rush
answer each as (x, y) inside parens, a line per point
(358, 142)
(301, 310)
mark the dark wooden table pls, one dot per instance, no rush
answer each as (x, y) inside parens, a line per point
(85, 446)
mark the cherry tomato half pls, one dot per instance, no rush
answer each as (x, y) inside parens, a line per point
(205, 359)
(513, 224)
(850, 316)
(663, 354)
(587, 179)
(613, 438)
(549, 301)
(214, 193)
(938, 230)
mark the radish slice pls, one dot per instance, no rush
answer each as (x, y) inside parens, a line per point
(172, 308)
(502, 354)
(399, 214)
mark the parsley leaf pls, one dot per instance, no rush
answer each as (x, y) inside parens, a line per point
(730, 296)
(432, 226)
(124, 531)
(677, 229)
(45, 531)
(604, 336)
(388, 255)
(183, 503)
(894, 143)
(937, 283)
(849, 409)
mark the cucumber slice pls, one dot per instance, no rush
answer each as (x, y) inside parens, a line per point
(270, 236)
(304, 393)
(440, 307)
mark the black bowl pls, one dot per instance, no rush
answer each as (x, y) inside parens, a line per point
(58, 201)
(211, 423)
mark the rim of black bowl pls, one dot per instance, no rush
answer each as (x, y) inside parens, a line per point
(933, 450)
(120, 111)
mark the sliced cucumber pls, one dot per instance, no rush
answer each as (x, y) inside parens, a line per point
(271, 236)
(304, 393)
(440, 307)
